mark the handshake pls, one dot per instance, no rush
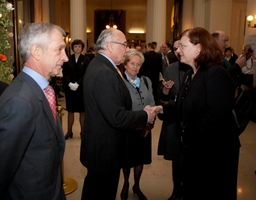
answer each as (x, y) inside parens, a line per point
(152, 112)
(73, 86)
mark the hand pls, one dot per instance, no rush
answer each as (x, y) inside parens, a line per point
(241, 61)
(168, 84)
(151, 113)
(73, 86)
(76, 84)
(159, 109)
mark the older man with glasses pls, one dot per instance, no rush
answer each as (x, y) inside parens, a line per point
(108, 117)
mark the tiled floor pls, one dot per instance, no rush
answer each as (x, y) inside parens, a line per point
(156, 180)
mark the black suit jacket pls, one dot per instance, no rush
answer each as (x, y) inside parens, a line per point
(204, 107)
(108, 116)
(171, 57)
(151, 68)
(31, 144)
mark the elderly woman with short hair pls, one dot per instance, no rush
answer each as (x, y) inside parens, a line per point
(138, 145)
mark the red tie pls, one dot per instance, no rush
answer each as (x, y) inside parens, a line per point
(50, 95)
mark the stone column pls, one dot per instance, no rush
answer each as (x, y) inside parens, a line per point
(78, 21)
(187, 15)
(38, 10)
(46, 11)
(156, 22)
(199, 7)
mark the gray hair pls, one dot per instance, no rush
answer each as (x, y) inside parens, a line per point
(134, 52)
(35, 33)
(105, 36)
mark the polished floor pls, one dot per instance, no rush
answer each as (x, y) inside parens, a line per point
(156, 180)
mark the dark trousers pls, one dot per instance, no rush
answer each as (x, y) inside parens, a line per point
(177, 175)
(98, 186)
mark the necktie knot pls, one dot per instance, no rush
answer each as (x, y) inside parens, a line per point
(50, 95)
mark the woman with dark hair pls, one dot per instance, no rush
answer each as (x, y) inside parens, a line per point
(204, 106)
(73, 73)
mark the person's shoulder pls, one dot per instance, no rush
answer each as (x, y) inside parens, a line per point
(173, 66)
(217, 71)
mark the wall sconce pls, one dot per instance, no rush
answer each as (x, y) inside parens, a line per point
(249, 19)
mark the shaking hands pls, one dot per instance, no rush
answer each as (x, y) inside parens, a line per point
(152, 112)
(73, 86)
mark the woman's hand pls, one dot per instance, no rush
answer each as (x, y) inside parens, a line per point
(167, 86)
(159, 109)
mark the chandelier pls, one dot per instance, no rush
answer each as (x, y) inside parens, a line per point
(111, 23)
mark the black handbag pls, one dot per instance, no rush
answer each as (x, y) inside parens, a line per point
(244, 108)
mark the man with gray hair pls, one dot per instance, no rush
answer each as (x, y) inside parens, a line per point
(31, 137)
(108, 117)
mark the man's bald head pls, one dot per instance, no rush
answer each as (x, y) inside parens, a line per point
(222, 38)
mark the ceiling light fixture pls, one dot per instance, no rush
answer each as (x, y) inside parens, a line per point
(111, 23)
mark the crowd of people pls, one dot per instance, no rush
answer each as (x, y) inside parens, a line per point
(119, 92)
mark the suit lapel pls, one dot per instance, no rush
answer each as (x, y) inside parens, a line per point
(40, 95)
(109, 64)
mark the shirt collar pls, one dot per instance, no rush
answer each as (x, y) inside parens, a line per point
(39, 79)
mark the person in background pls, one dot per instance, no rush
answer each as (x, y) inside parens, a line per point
(138, 145)
(169, 144)
(56, 87)
(92, 48)
(233, 53)
(3, 86)
(91, 51)
(203, 110)
(229, 56)
(165, 60)
(108, 117)
(138, 48)
(170, 54)
(154, 45)
(151, 68)
(31, 138)
(73, 74)
(222, 39)
(250, 68)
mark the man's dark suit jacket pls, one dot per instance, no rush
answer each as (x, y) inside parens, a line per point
(3, 86)
(31, 144)
(171, 57)
(108, 115)
(151, 68)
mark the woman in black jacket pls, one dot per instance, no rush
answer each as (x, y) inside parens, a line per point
(73, 73)
(203, 110)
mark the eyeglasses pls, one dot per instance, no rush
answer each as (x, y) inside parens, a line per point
(181, 46)
(135, 64)
(124, 44)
